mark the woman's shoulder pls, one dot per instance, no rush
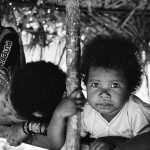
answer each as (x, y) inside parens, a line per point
(135, 104)
(137, 101)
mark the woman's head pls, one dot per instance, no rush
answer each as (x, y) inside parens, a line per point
(115, 52)
(37, 88)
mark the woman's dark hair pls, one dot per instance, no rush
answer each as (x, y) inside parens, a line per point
(37, 87)
(113, 52)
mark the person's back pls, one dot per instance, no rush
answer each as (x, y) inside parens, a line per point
(11, 54)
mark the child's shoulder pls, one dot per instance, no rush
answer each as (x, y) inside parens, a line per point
(88, 110)
(87, 107)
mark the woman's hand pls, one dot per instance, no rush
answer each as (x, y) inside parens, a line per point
(15, 135)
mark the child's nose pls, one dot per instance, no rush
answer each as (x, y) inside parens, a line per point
(104, 94)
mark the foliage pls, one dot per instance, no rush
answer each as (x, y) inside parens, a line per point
(44, 20)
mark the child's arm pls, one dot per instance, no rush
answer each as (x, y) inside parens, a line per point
(68, 107)
(56, 131)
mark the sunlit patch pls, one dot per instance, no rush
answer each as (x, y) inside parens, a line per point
(5, 146)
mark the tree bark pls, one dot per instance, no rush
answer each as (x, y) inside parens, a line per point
(73, 80)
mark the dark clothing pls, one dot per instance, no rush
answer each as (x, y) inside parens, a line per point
(11, 52)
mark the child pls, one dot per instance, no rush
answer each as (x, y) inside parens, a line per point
(112, 72)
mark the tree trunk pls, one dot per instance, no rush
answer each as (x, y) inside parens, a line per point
(73, 80)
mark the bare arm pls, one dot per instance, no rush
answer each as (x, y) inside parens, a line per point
(56, 132)
(57, 127)
(3, 130)
(15, 135)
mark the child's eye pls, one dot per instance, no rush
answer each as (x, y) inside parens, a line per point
(95, 85)
(115, 85)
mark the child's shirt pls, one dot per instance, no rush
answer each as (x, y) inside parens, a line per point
(127, 123)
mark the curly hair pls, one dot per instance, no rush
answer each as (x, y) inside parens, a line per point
(113, 52)
(37, 87)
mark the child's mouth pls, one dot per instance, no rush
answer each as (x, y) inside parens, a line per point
(105, 105)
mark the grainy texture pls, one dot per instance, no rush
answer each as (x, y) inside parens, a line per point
(73, 63)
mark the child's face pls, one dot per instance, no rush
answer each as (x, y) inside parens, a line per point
(106, 91)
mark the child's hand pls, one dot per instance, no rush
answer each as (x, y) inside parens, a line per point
(15, 135)
(71, 105)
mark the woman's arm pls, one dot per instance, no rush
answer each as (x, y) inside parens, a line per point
(139, 142)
